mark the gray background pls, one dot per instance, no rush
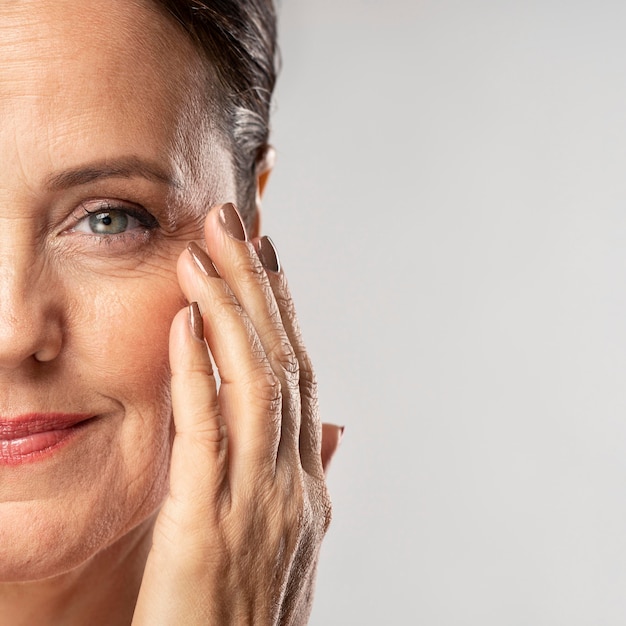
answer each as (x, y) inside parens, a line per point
(449, 203)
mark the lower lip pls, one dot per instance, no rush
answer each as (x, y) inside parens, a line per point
(37, 446)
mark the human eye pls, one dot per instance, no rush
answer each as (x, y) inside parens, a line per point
(110, 220)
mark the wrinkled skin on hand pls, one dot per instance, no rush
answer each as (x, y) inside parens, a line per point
(238, 537)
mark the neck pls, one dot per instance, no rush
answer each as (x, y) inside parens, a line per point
(101, 591)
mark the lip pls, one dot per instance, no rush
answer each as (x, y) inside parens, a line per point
(34, 436)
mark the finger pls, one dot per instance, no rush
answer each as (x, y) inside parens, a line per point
(240, 266)
(331, 438)
(310, 436)
(199, 452)
(249, 394)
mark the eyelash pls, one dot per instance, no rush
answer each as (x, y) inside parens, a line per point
(146, 220)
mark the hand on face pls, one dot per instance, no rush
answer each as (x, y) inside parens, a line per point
(239, 532)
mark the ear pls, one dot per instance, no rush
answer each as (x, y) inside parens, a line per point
(263, 170)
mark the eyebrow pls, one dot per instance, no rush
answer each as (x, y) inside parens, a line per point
(124, 167)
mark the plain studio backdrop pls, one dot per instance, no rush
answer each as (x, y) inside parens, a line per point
(449, 202)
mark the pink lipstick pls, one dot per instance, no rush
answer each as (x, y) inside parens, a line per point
(33, 436)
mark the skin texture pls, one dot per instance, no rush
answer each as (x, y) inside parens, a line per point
(100, 112)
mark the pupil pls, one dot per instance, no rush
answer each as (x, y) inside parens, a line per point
(111, 222)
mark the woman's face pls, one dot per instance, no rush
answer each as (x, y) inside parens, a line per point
(104, 178)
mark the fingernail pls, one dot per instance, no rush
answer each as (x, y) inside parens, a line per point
(341, 431)
(195, 321)
(266, 251)
(202, 260)
(231, 221)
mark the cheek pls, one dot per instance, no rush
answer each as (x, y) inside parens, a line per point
(95, 493)
(128, 341)
(119, 329)
(119, 343)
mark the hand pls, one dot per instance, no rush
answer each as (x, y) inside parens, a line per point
(237, 539)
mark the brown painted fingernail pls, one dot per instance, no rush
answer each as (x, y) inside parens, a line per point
(231, 221)
(195, 321)
(202, 260)
(266, 250)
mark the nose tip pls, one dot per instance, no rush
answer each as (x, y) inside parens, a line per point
(29, 331)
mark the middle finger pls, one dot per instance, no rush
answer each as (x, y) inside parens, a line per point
(238, 264)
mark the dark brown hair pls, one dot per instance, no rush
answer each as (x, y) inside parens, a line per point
(238, 38)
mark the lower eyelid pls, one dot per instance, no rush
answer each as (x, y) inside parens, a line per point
(122, 244)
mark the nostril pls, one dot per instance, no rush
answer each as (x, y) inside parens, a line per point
(49, 353)
(28, 332)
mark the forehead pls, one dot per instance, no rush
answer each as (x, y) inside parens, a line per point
(95, 78)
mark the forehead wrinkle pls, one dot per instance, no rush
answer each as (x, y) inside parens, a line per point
(52, 52)
(111, 50)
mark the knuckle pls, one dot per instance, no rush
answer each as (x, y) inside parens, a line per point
(308, 379)
(298, 516)
(326, 513)
(293, 487)
(251, 273)
(285, 303)
(321, 505)
(212, 433)
(245, 264)
(192, 375)
(266, 387)
(277, 371)
(285, 360)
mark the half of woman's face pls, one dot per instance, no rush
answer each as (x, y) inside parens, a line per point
(101, 187)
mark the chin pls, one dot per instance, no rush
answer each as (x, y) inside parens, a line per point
(37, 543)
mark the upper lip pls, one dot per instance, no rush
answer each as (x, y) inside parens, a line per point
(33, 423)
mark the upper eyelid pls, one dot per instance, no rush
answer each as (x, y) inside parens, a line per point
(101, 206)
(121, 193)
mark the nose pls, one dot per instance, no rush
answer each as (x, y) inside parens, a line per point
(30, 316)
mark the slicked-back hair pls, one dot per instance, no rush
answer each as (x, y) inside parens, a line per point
(238, 38)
